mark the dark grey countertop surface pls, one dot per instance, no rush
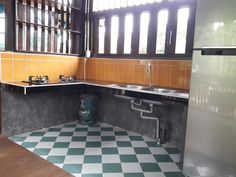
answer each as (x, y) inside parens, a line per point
(175, 93)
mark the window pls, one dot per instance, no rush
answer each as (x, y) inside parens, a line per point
(2, 29)
(55, 26)
(114, 32)
(183, 16)
(144, 25)
(128, 33)
(143, 28)
(102, 30)
(161, 31)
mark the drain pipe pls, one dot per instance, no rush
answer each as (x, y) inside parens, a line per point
(135, 103)
(150, 111)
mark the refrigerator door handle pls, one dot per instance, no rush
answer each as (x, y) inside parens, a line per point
(170, 38)
(218, 51)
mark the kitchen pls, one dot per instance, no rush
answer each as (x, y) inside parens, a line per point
(117, 88)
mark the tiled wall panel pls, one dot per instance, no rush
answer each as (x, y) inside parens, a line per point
(171, 73)
(18, 67)
(165, 73)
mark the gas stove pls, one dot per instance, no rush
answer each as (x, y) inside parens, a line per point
(44, 80)
(37, 80)
(65, 79)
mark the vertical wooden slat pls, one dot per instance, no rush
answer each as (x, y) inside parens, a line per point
(107, 35)
(20, 36)
(91, 41)
(35, 26)
(152, 33)
(78, 19)
(171, 28)
(20, 10)
(120, 47)
(28, 16)
(73, 27)
(191, 26)
(43, 28)
(20, 24)
(81, 28)
(136, 34)
(67, 26)
(95, 34)
(56, 19)
(62, 26)
(49, 27)
(10, 25)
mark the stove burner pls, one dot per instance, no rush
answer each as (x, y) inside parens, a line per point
(63, 78)
(38, 80)
(44, 80)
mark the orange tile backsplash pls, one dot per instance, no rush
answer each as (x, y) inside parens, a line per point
(165, 73)
(6, 70)
(19, 66)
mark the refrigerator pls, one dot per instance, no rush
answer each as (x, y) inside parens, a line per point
(210, 144)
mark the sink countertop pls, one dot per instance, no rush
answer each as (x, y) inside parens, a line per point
(183, 94)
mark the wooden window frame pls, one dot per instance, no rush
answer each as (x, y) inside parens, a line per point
(75, 30)
(151, 49)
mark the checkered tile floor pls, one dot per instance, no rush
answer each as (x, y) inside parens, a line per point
(102, 151)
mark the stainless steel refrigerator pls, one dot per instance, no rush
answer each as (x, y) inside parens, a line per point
(210, 147)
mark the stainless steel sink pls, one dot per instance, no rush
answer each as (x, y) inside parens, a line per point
(135, 87)
(128, 86)
(182, 95)
(112, 85)
(161, 90)
(169, 92)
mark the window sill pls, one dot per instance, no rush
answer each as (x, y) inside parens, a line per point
(157, 57)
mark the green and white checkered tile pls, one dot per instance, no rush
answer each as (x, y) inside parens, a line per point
(102, 151)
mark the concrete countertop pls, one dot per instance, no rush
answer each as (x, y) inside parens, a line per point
(183, 94)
